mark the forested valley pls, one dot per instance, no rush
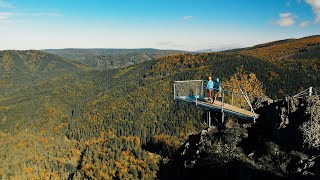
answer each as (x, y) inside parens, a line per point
(62, 118)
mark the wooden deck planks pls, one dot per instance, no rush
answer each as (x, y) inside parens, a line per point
(217, 106)
(232, 108)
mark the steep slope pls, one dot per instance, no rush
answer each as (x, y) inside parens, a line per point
(21, 68)
(34, 83)
(303, 48)
(111, 58)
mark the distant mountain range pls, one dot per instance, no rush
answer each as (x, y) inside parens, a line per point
(111, 58)
(217, 49)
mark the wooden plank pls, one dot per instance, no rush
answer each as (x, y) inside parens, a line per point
(233, 108)
(217, 105)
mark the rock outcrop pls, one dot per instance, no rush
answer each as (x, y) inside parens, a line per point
(283, 144)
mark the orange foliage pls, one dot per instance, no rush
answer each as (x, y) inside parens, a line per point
(43, 130)
(86, 166)
(125, 153)
(22, 143)
(44, 140)
(273, 75)
(28, 170)
(168, 64)
(123, 170)
(92, 117)
(117, 164)
(110, 133)
(134, 139)
(52, 112)
(282, 50)
(100, 139)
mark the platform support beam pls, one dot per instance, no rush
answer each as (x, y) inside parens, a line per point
(222, 118)
(209, 118)
(222, 105)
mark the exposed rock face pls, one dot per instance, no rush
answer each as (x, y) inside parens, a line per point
(311, 129)
(292, 123)
(283, 144)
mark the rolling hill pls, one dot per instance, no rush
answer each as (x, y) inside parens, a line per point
(71, 121)
(24, 68)
(111, 58)
(303, 48)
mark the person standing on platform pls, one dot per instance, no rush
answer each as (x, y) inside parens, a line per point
(217, 91)
(210, 88)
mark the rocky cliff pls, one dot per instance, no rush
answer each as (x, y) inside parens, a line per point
(284, 143)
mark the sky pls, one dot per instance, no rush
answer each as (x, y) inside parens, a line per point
(163, 24)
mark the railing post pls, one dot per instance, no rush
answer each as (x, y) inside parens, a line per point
(202, 95)
(222, 104)
(174, 91)
(249, 103)
(196, 96)
(232, 95)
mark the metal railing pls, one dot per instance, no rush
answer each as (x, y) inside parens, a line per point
(195, 89)
(308, 92)
(189, 89)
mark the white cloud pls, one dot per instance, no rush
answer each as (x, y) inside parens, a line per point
(304, 24)
(286, 19)
(5, 15)
(5, 4)
(7, 18)
(285, 15)
(315, 4)
(187, 17)
(40, 14)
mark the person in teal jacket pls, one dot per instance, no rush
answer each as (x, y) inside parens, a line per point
(217, 91)
(210, 87)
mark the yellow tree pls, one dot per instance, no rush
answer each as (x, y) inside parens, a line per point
(248, 82)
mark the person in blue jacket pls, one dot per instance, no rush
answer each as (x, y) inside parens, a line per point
(217, 90)
(210, 87)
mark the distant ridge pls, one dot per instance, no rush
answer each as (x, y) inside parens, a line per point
(300, 48)
(215, 49)
(101, 59)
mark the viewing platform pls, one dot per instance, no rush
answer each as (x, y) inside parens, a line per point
(231, 100)
(219, 106)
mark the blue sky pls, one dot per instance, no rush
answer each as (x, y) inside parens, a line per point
(162, 24)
